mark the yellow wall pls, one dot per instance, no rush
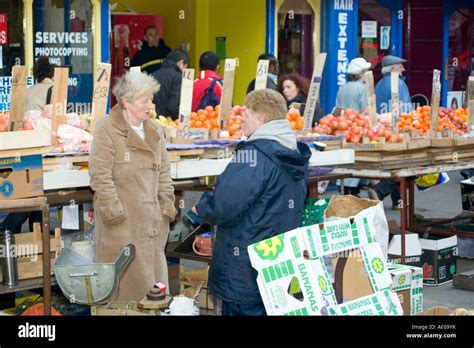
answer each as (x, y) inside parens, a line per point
(242, 22)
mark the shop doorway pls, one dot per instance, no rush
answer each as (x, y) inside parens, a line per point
(374, 36)
(11, 37)
(295, 37)
(460, 61)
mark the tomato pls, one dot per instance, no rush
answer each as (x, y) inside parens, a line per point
(343, 125)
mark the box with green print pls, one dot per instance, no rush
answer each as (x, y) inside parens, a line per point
(407, 282)
(338, 235)
(289, 283)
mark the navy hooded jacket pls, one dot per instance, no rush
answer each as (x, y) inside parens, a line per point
(251, 202)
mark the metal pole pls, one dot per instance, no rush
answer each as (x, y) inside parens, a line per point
(46, 262)
(403, 217)
(411, 204)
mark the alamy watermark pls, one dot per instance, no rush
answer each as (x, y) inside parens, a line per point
(20, 250)
(240, 156)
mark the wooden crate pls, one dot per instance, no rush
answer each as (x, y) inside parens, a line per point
(453, 154)
(190, 280)
(29, 249)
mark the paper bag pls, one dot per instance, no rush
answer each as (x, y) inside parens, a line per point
(348, 206)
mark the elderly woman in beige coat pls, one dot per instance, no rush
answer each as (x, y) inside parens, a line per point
(134, 197)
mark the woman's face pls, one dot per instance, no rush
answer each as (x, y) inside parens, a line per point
(139, 110)
(289, 89)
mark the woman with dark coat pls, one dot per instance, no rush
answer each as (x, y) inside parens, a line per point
(295, 88)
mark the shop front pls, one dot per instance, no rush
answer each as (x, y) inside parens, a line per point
(71, 33)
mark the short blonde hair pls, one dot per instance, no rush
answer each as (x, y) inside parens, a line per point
(132, 86)
(268, 103)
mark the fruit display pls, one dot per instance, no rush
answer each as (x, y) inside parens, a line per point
(354, 127)
(4, 117)
(205, 118)
(167, 122)
(295, 119)
(419, 120)
(235, 120)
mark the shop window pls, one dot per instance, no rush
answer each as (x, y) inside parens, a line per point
(63, 32)
(295, 37)
(460, 54)
(374, 34)
(12, 42)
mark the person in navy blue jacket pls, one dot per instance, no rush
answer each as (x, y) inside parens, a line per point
(260, 194)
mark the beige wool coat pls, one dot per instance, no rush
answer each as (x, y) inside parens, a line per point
(133, 200)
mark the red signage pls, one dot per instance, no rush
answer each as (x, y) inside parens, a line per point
(3, 29)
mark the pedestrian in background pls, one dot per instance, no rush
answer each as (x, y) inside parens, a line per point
(353, 94)
(153, 51)
(273, 69)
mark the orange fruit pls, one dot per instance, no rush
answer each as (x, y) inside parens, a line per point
(209, 108)
(197, 124)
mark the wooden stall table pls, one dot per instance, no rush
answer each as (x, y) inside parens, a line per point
(27, 205)
(406, 177)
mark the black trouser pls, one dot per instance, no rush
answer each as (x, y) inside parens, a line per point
(231, 308)
(14, 221)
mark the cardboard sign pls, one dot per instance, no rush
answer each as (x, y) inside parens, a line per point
(3, 29)
(262, 74)
(227, 92)
(371, 99)
(435, 97)
(18, 97)
(186, 101)
(313, 94)
(100, 94)
(59, 101)
(470, 102)
(395, 107)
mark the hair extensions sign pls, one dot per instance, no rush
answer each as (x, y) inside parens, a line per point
(3, 29)
(340, 30)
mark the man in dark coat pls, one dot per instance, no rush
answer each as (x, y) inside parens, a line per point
(273, 69)
(260, 194)
(153, 52)
(169, 76)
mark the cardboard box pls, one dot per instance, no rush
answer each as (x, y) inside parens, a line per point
(286, 280)
(467, 195)
(292, 284)
(338, 235)
(412, 250)
(21, 177)
(407, 282)
(439, 256)
(190, 279)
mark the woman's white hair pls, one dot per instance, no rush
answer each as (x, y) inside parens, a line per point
(133, 85)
